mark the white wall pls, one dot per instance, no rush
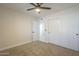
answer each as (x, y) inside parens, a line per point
(62, 28)
(15, 28)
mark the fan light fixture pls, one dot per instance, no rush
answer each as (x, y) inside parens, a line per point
(37, 10)
(37, 7)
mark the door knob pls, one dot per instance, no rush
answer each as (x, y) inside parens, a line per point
(32, 32)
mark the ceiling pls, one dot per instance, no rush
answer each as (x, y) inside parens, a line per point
(56, 7)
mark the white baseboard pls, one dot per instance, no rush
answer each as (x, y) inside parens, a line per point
(11, 46)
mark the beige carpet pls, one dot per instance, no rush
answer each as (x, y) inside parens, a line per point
(38, 48)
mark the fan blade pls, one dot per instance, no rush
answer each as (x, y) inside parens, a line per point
(33, 4)
(30, 9)
(45, 7)
(41, 3)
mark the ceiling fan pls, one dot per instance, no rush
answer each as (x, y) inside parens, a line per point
(38, 7)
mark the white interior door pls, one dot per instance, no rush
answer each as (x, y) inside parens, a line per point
(39, 30)
(35, 31)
